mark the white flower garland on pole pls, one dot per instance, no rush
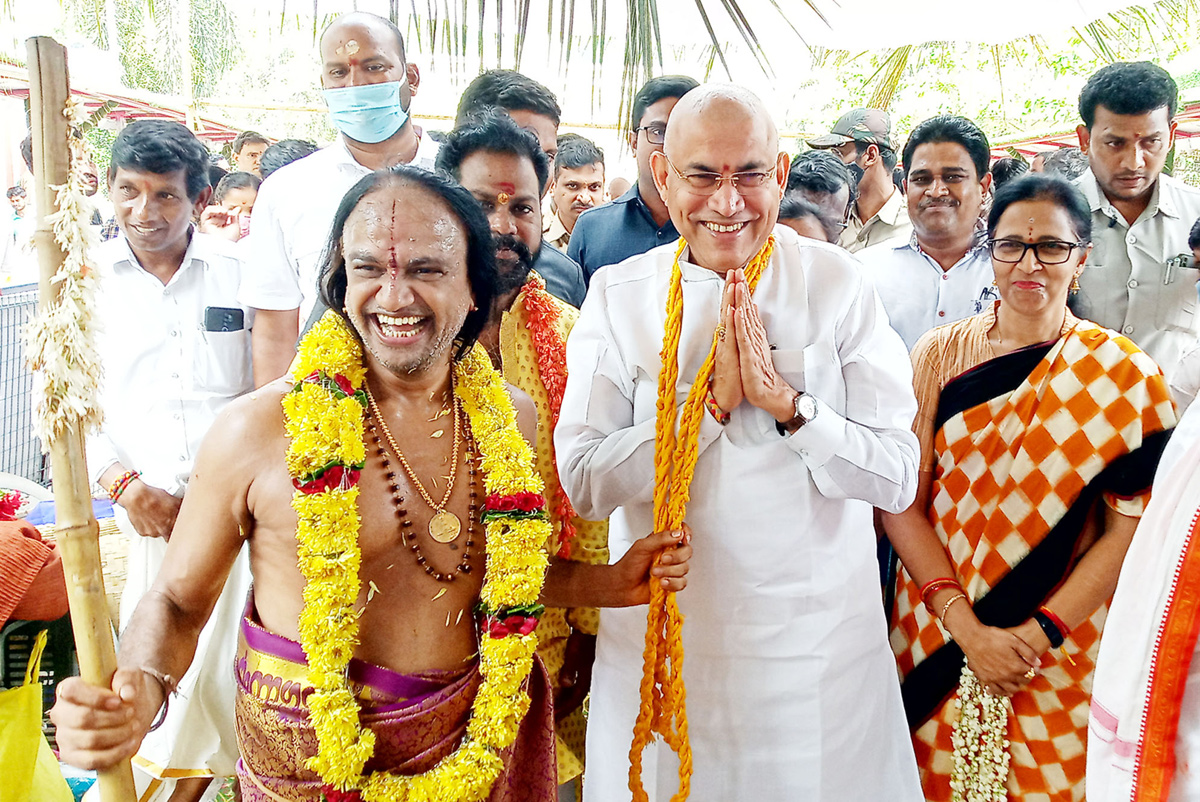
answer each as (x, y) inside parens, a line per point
(60, 341)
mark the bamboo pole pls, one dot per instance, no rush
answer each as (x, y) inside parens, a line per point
(76, 530)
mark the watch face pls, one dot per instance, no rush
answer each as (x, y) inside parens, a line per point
(806, 407)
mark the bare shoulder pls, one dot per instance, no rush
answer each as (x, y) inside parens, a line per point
(249, 426)
(526, 412)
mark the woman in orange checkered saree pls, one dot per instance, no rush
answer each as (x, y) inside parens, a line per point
(1039, 436)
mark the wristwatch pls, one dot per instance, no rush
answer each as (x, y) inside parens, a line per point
(806, 409)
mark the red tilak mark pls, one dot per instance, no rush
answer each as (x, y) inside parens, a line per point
(353, 62)
(507, 187)
(393, 262)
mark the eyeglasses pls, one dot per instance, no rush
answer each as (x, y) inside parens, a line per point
(655, 134)
(709, 183)
(1049, 252)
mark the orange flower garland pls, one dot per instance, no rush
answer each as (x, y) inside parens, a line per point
(663, 708)
(551, 351)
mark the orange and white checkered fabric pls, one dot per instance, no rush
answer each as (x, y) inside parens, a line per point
(1006, 471)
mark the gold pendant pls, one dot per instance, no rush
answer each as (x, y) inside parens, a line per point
(444, 527)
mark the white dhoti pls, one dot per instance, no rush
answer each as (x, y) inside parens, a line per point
(792, 690)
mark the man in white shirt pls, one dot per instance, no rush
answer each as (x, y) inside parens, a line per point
(791, 687)
(1140, 217)
(862, 139)
(176, 350)
(368, 87)
(943, 272)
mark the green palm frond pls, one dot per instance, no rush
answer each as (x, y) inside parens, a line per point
(461, 32)
(892, 71)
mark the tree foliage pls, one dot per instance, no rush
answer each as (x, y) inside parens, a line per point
(145, 35)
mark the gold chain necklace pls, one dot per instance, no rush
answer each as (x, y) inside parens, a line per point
(464, 565)
(444, 526)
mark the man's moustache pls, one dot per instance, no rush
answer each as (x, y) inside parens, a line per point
(508, 241)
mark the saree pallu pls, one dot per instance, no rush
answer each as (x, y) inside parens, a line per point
(418, 719)
(1025, 444)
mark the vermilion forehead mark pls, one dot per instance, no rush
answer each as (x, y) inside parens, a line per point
(504, 186)
(393, 262)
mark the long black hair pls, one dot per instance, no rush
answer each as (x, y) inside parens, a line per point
(481, 257)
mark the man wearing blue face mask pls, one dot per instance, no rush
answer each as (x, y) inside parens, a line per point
(368, 87)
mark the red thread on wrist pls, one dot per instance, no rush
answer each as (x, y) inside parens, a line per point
(714, 409)
(121, 484)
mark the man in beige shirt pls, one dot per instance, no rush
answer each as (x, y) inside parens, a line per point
(862, 138)
(578, 186)
(1135, 281)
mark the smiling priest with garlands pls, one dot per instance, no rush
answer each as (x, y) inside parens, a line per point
(395, 524)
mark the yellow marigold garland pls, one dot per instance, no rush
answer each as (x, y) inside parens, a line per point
(324, 421)
(663, 708)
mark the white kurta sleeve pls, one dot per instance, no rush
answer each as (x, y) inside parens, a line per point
(869, 452)
(605, 446)
(101, 455)
(270, 279)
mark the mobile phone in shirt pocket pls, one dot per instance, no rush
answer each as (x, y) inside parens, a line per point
(221, 362)
(224, 318)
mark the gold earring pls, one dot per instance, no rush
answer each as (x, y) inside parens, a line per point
(1075, 284)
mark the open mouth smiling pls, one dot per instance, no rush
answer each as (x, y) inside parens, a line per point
(399, 328)
(719, 228)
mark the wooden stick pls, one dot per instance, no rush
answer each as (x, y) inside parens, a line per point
(78, 534)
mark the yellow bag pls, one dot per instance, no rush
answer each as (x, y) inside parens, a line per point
(27, 764)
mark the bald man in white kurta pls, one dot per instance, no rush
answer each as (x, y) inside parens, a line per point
(792, 692)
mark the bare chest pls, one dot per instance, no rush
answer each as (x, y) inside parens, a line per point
(422, 552)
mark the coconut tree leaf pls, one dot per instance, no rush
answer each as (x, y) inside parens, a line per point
(893, 69)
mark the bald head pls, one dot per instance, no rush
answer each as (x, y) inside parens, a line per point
(717, 105)
(380, 27)
(721, 174)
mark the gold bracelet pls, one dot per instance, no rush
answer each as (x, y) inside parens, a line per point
(946, 606)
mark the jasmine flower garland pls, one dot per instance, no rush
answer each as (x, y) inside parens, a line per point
(981, 756)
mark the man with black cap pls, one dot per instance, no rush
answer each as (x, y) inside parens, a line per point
(862, 138)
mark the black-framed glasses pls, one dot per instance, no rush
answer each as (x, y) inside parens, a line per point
(655, 134)
(1048, 252)
(709, 183)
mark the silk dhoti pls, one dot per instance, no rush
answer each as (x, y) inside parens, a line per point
(418, 719)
